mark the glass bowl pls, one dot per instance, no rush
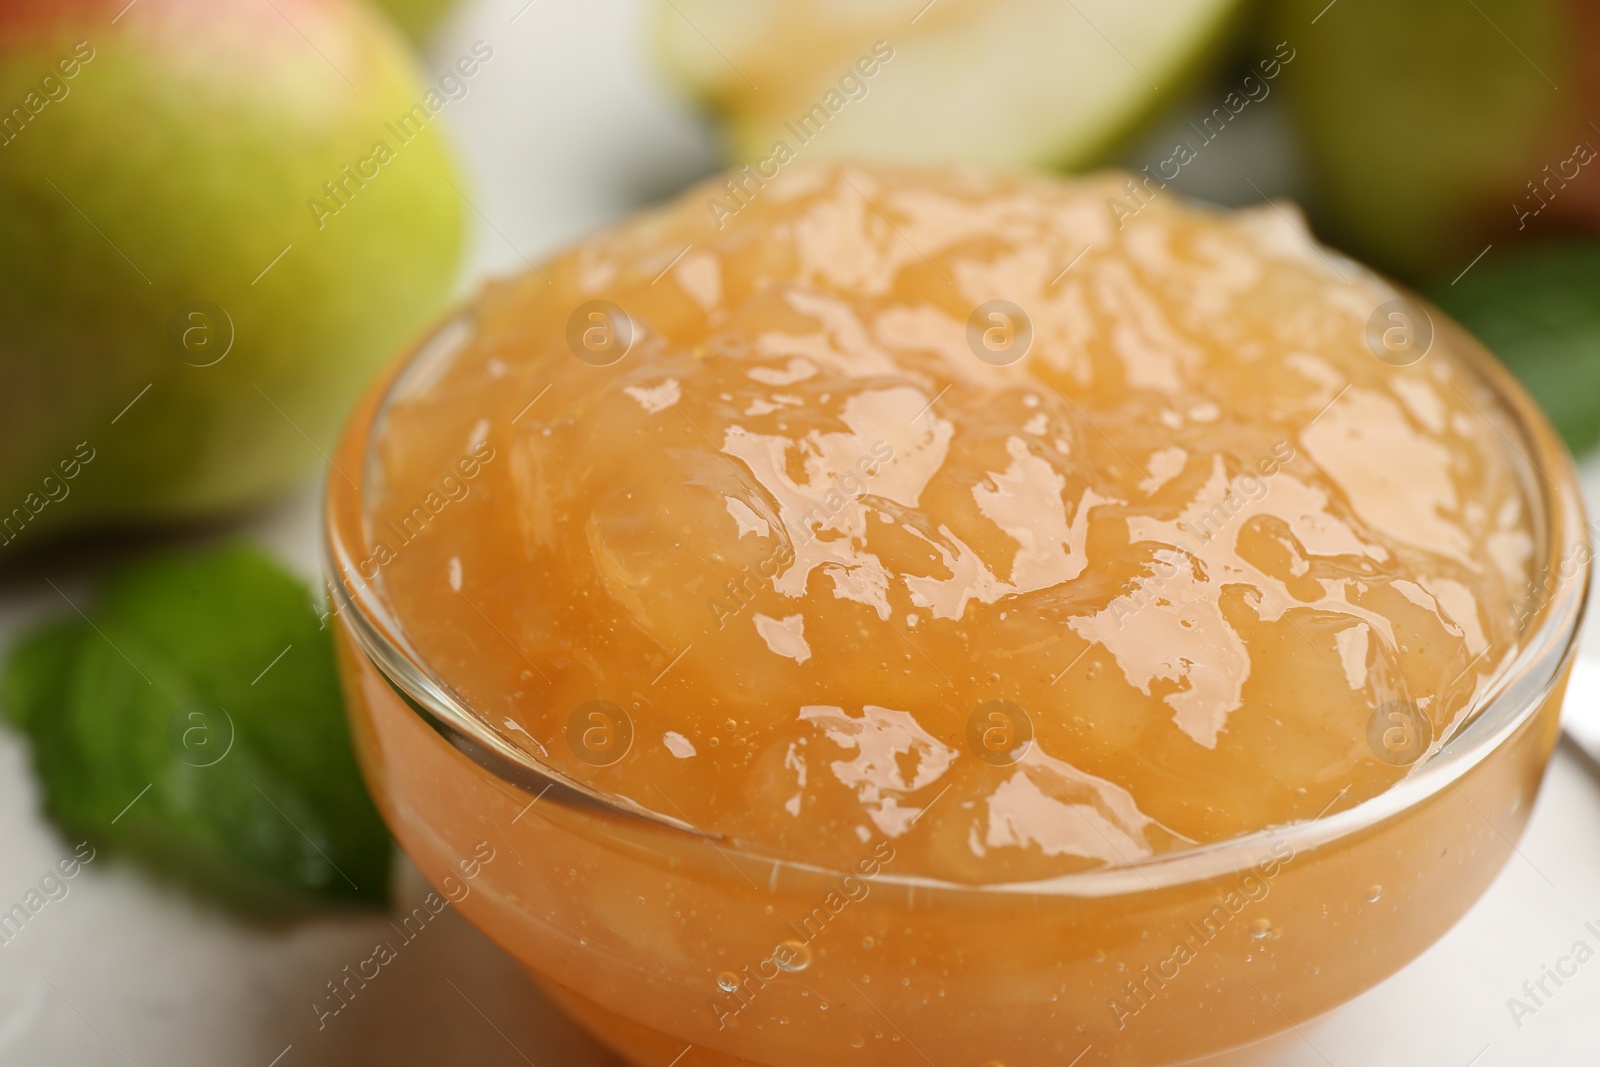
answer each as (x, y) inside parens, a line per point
(678, 948)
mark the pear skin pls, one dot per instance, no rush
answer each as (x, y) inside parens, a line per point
(218, 221)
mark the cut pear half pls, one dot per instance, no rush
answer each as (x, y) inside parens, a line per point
(1008, 82)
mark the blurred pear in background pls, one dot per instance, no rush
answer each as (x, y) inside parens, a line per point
(418, 18)
(1435, 127)
(1010, 82)
(218, 221)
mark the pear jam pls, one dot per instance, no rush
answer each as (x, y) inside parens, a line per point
(956, 516)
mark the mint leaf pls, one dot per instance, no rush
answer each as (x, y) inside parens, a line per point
(198, 725)
(1538, 309)
(37, 674)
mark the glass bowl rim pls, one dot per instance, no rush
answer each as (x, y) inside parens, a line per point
(1515, 693)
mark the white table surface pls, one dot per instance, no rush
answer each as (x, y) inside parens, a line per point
(565, 128)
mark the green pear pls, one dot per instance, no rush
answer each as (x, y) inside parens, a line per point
(1434, 128)
(217, 220)
(1010, 82)
(417, 17)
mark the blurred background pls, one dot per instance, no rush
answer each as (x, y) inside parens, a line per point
(219, 219)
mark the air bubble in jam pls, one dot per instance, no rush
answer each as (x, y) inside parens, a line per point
(792, 956)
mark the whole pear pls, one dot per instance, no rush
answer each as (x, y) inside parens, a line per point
(1435, 128)
(216, 221)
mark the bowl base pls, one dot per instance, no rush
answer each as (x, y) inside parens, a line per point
(641, 1046)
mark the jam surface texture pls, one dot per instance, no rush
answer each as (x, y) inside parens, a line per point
(956, 510)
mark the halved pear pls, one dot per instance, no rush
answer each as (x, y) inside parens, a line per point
(1010, 82)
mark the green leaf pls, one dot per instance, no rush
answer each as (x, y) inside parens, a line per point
(1538, 309)
(37, 674)
(199, 726)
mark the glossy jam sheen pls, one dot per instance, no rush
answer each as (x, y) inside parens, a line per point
(800, 534)
(757, 520)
